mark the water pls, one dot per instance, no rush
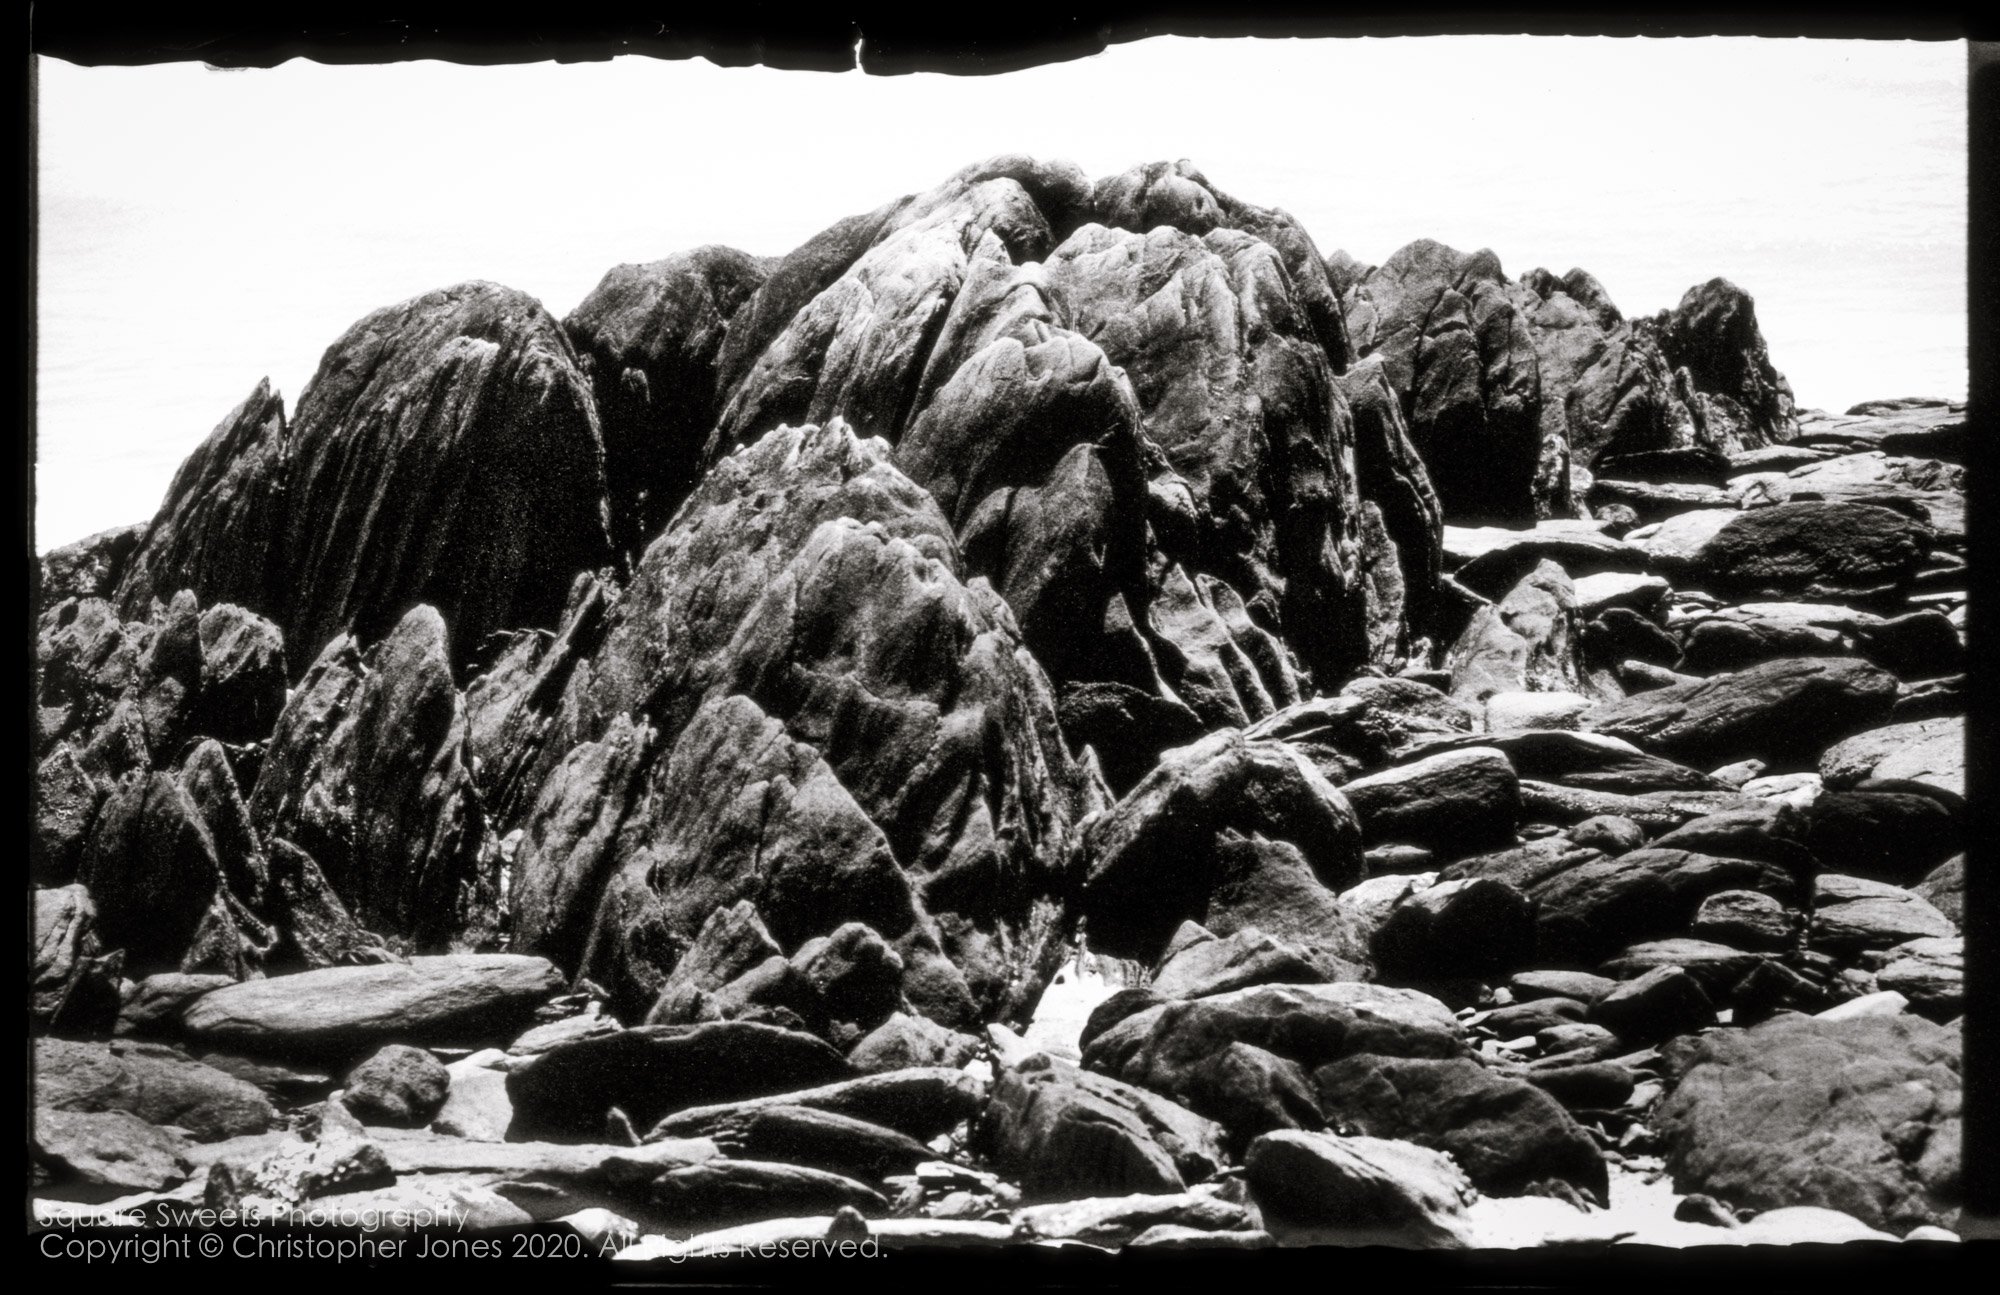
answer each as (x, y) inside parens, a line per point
(200, 230)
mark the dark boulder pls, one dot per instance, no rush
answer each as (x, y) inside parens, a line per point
(1508, 1135)
(1860, 1116)
(1453, 803)
(399, 1086)
(1781, 711)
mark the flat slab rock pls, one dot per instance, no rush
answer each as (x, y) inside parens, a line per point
(443, 999)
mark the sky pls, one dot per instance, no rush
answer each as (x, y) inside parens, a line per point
(201, 229)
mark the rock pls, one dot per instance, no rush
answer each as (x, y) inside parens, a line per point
(1713, 335)
(922, 1103)
(1170, 1236)
(338, 1159)
(1867, 1006)
(1520, 712)
(1477, 928)
(1860, 1116)
(158, 1084)
(1944, 888)
(657, 1070)
(1390, 860)
(1609, 833)
(1917, 645)
(1771, 832)
(1594, 761)
(1454, 803)
(732, 942)
(399, 1086)
(1851, 914)
(103, 1155)
(89, 568)
(723, 1191)
(1062, 1132)
(1592, 1086)
(347, 1010)
(1526, 642)
(1114, 1222)
(1779, 711)
(1524, 1020)
(1506, 1134)
(903, 1042)
(1655, 501)
(925, 786)
(1930, 751)
(1527, 986)
(153, 1006)
(72, 983)
(451, 409)
(1212, 966)
(368, 773)
(476, 1105)
(1930, 973)
(1745, 919)
(1188, 1050)
(1574, 1044)
(1490, 560)
(1828, 551)
(1882, 835)
(1661, 1004)
(591, 1023)
(816, 1139)
(1154, 858)
(1808, 1224)
(853, 972)
(1633, 591)
(1460, 356)
(648, 337)
(1590, 911)
(1717, 968)
(1358, 1191)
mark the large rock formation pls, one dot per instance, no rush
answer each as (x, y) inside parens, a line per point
(796, 702)
(446, 452)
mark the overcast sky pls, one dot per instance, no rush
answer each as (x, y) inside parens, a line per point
(202, 229)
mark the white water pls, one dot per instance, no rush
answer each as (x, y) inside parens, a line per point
(200, 230)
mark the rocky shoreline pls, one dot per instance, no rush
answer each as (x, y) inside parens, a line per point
(1055, 714)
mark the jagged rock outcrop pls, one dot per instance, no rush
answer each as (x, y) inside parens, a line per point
(426, 423)
(796, 702)
(648, 337)
(1516, 390)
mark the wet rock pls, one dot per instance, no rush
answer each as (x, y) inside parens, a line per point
(1883, 835)
(1930, 751)
(729, 1191)
(1590, 911)
(1526, 642)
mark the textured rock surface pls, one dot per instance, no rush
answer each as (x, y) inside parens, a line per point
(425, 422)
(1860, 1116)
(1785, 710)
